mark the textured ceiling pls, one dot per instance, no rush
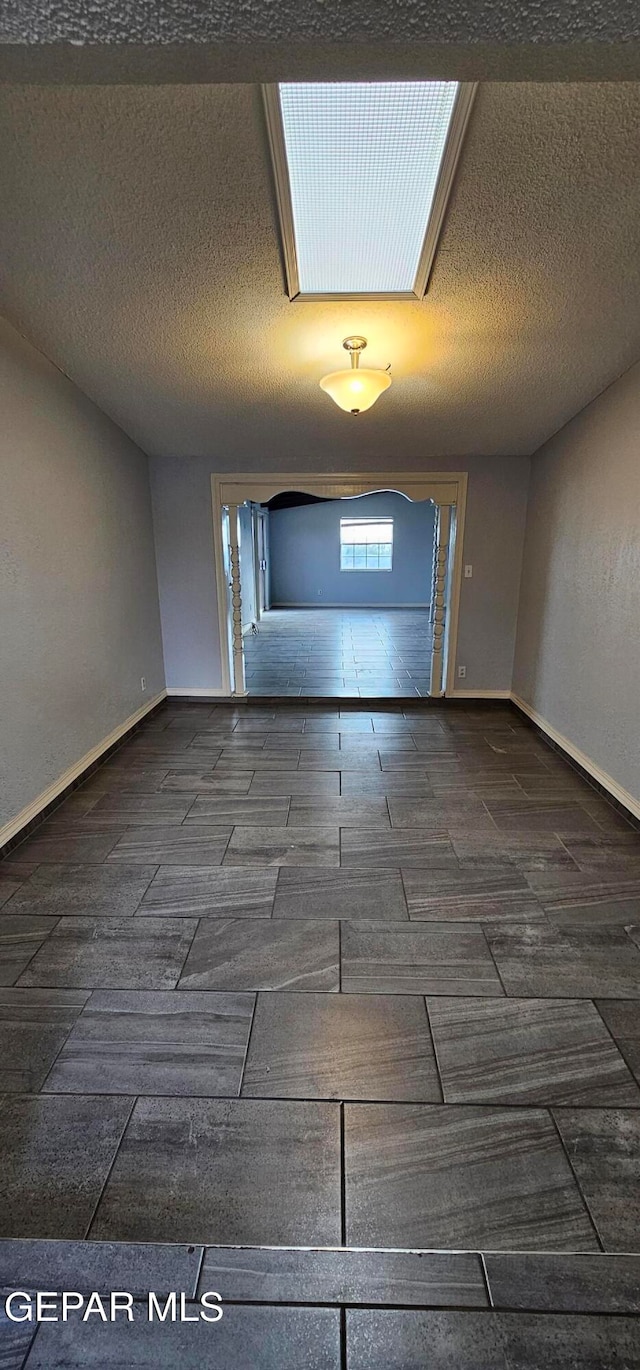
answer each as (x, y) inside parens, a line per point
(271, 40)
(187, 21)
(139, 250)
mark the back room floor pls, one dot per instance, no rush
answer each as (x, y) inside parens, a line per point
(340, 653)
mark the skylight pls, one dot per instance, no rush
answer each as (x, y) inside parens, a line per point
(363, 173)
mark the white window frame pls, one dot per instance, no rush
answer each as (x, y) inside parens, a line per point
(386, 523)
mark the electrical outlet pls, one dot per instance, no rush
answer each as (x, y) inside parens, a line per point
(468, 572)
(462, 671)
(143, 682)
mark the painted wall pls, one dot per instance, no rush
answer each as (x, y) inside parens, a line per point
(79, 603)
(578, 646)
(183, 528)
(247, 568)
(305, 554)
(496, 512)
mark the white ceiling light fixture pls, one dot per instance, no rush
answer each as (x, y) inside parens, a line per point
(357, 389)
(363, 174)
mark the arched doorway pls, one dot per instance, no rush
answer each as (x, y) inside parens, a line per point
(446, 491)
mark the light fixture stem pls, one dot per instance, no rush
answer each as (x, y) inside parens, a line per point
(354, 346)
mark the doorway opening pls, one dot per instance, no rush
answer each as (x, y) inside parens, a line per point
(338, 587)
(349, 595)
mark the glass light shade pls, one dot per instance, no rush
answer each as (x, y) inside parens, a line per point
(357, 389)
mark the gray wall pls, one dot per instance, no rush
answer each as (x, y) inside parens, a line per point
(578, 646)
(183, 528)
(247, 568)
(496, 511)
(305, 554)
(79, 611)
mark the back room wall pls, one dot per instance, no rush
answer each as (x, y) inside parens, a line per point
(305, 555)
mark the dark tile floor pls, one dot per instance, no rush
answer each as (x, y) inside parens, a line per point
(292, 1309)
(296, 977)
(349, 652)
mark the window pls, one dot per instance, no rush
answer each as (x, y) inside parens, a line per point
(366, 544)
(363, 173)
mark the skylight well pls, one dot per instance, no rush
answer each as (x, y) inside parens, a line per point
(363, 174)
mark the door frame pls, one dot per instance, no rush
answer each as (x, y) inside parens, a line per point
(446, 490)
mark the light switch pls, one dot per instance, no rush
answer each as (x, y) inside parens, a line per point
(468, 572)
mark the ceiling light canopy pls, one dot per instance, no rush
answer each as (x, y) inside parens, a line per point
(357, 389)
(363, 174)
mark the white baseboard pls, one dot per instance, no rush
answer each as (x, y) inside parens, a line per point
(15, 825)
(615, 790)
(185, 691)
(479, 694)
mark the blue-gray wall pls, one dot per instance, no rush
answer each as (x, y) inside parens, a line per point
(78, 592)
(247, 567)
(305, 554)
(577, 662)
